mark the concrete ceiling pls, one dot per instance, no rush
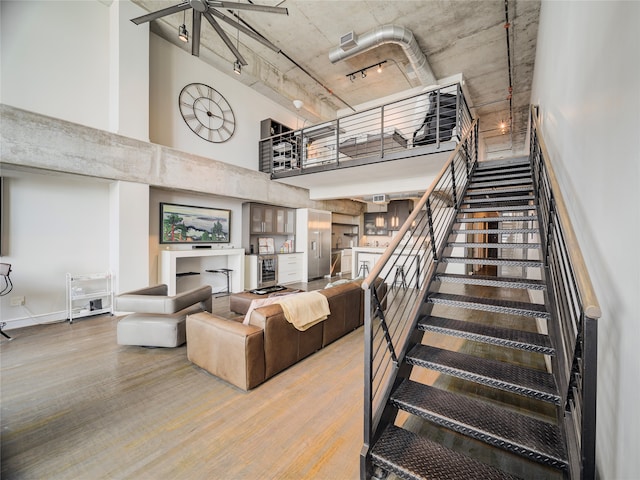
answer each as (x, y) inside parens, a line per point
(457, 37)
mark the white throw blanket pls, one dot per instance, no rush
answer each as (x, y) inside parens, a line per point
(302, 310)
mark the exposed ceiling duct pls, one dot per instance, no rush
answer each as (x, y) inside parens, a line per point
(388, 34)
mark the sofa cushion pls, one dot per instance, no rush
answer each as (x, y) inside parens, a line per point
(345, 303)
(284, 345)
(227, 349)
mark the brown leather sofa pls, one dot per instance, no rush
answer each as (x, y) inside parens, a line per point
(248, 355)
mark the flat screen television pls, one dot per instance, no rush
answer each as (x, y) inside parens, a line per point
(192, 224)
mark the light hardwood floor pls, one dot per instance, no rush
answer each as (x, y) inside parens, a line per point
(77, 405)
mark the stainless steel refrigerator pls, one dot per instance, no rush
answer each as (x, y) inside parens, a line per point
(314, 232)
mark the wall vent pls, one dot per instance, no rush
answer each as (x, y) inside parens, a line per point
(348, 41)
(380, 198)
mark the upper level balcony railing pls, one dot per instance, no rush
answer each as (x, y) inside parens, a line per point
(430, 122)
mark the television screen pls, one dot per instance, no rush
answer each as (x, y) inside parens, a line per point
(190, 224)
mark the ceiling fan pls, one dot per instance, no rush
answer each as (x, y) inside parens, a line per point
(209, 9)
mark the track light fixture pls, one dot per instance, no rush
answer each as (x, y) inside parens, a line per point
(363, 71)
(237, 66)
(183, 34)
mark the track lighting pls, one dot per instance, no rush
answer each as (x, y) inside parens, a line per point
(363, 71)
(237, 66)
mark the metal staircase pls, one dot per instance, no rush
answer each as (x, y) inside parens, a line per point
(488, 377)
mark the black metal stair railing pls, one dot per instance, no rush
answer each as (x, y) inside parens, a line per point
(406, 268)
(575, 310)
(429, 122)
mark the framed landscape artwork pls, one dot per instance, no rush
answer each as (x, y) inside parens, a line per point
(192, 224)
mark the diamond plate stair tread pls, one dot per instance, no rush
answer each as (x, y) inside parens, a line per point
(501, 218)
(497, 191)
(509, 262)
(490, 281)
(533, 439)
(506, 231)
(525, 175)
(500, 375)
(490, 304)
(506, 337)
(411, 456)
(493, 245)
(511, 198)
(500, 183)
(502, 208)
(480, 168)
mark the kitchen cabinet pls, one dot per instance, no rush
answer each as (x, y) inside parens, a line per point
(397, 213)
(289, 268)
(262, 218)
(271, 219)
(375, 224)
(285, 221)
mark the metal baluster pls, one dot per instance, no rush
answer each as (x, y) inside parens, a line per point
(379, 312)
(433, 240)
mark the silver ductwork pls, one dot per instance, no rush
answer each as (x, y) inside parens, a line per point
(390, 34)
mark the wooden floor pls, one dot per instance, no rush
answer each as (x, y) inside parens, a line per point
(75, 405)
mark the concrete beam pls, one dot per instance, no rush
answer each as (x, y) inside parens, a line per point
(36, 141)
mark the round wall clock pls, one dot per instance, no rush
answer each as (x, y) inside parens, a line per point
(206, 112)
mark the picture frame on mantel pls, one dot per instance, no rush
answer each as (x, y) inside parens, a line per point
(191, 224)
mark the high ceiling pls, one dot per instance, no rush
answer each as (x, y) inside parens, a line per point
(457, 37)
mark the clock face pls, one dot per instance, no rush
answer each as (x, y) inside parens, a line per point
(206, 112)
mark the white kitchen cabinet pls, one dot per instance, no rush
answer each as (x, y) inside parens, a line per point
(290, 268)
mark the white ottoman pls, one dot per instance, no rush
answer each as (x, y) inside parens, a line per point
(152, 330)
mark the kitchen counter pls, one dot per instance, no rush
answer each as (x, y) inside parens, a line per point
(369, 249)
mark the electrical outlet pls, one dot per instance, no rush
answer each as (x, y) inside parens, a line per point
(17, 301)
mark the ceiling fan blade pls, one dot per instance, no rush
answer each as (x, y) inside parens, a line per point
(161, 13)
(245, 30)
(247, 6)
(216, 26)
(195, 34)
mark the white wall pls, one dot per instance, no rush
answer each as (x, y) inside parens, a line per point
(184, 198)
(586, 81)
(54, 225)
(171, 69)
(78, 61)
